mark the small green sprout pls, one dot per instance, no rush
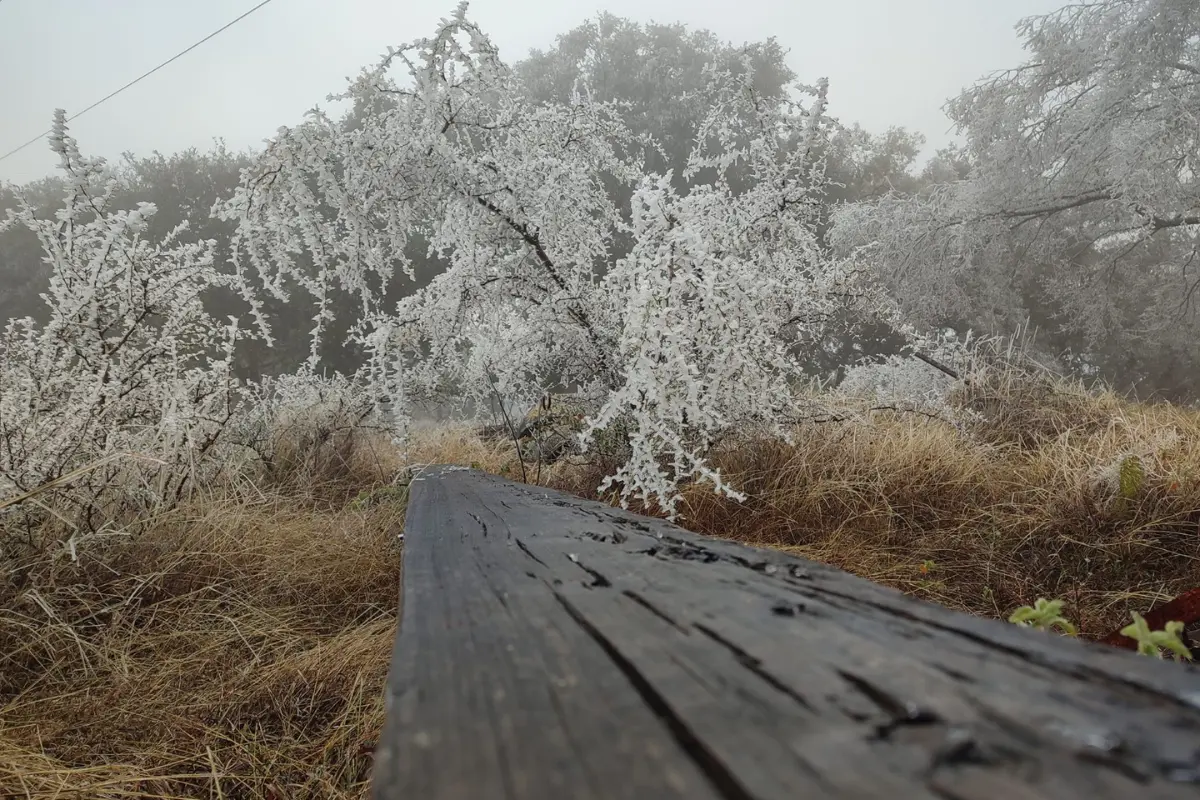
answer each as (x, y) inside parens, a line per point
(1044, 615)
(1152, 643)
(1131, 477)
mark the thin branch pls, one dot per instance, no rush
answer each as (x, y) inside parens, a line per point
(532, 239)
(511, 429)
(953, 373)
(1065, 205)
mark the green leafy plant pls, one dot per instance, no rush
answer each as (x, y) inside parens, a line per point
(1044, 615)
(1152, 643)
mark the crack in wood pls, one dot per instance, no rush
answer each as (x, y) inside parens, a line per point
(524, 548)
(961, 748)
(723, 780)
(615, 537)
(598, 580)
(754, 664)
(900, 713)
(682, 553)
(655, 610)
(1119, 763)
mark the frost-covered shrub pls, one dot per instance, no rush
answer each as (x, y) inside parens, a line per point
(684, 337)
(900, 380)
(305, 399)
(307, 426)
(122, 398)
(909, 383)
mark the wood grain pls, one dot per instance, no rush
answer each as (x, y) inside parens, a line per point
(553, 648)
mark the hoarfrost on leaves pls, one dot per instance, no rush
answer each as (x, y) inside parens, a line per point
(129, 377)
(1082, 205)
(685, 335)
(900, 380)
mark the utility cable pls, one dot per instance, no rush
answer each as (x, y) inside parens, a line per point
(141, 77)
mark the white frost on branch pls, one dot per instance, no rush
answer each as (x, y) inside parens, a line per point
(686, 335)
(128, 376)
(907, 383)
(1082, 206)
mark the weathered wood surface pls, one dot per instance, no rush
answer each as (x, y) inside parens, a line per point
(553, 649)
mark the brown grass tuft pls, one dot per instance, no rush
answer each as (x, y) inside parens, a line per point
(459, 443)
(982, 516)
(236, 647)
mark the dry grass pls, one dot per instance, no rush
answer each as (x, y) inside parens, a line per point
(459, 443)
(236, 647)
(982, 517)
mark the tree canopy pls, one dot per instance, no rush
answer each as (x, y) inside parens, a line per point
(1081, 207)
(660, 74)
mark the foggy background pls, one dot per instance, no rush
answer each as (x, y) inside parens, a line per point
(890, 62)
(1092, 307)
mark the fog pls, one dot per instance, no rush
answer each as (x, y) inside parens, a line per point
(1090, 132)
(889, 63)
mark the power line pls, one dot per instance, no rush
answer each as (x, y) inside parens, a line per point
(141, 77)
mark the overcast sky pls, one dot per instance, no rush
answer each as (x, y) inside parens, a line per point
(890, 62)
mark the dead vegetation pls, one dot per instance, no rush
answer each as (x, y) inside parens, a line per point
(234, 647)
(237, 647)
(1030, 498)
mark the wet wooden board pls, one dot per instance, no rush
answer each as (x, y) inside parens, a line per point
(552, 648)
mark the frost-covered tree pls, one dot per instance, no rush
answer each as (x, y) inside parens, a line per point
(124, 392)
(863, 166)
(182, 187)
(660, 74)
(683, 336)
(1081, 208)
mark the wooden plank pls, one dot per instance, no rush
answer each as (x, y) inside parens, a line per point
(557, 648)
